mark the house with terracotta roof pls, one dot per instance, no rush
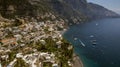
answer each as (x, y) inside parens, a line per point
(9, 42)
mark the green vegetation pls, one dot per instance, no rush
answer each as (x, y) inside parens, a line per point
(12, 55)
(1, 43)
(23, 8)
(20, 63)
(50, 44)
(17, 22)
(46, 64)
(11, 58)
(63, 54)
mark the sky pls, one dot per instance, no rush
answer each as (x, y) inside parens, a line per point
(113, 5)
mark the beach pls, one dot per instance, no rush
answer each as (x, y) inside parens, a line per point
(77, 61)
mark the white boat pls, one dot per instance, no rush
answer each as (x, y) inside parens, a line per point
(82, 43)
(0, 65)
(91, 36)
(75, 38)
(96, 24)
(94, 43)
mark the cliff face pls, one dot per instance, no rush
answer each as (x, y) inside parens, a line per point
(70, 9)
(80, 10)
(73, 10)
(77, 4)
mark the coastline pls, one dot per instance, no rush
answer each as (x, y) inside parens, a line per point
(77, 61)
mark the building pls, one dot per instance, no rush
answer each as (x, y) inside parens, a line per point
(9, 42)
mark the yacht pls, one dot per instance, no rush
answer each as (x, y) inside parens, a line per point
(82, 43)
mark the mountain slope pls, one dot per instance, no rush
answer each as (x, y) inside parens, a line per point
(97, 11)
(10, 8)
(72, 10)
(80, 10)
(65, 10)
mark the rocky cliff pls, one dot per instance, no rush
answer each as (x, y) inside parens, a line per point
(80, 10)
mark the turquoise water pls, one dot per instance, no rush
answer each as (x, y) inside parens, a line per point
(101, 39)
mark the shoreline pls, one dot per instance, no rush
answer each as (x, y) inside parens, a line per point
(77, 61)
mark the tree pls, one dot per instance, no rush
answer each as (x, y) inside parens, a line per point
(20, 63)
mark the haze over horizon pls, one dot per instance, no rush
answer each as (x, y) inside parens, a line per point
(113, 5)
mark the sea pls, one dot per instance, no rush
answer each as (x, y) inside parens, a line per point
(97, 42)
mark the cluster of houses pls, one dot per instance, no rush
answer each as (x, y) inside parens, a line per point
(36, 59)
(19, 36)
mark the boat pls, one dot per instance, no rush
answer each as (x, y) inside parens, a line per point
(96, 24)
(94, 43)
(82, 43)
(75, 38)
(91, 36)
(0, 65)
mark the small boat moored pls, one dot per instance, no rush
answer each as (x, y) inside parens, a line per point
(94, 43)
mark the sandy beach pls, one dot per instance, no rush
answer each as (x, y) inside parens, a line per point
(77, 61)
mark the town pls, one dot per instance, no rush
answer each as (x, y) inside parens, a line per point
(34, 42)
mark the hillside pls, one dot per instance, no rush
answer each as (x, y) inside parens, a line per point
(97, 11)
(12, 8)
(72, 10)
(31, 35)
(81, 10)
(31, 31)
